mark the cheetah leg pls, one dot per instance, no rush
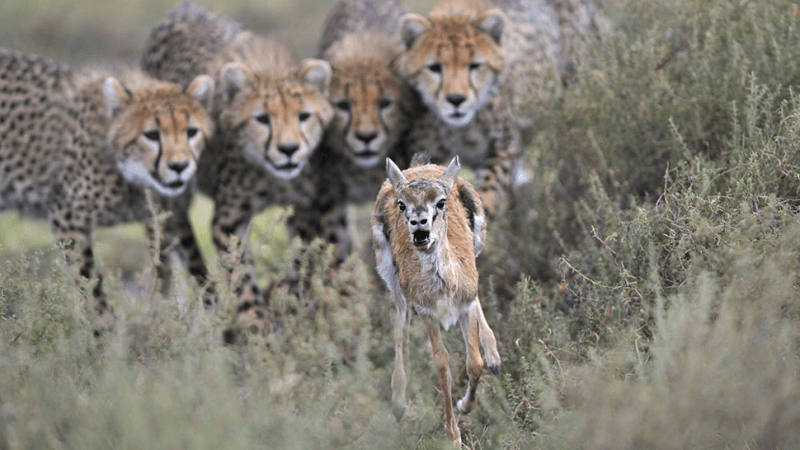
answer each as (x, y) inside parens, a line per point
(491, 183)
(179, 226)
(441, 361)
(229, 220)
(78, 253)
(494, 178)
(320, 219)
(159, 251)
(327, 220)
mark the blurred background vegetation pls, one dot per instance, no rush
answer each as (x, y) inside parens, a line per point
(644, 287)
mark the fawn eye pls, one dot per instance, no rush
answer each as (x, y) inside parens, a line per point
(263, 118)
(151, 135)
(303, 116)
(401, 206)
(440, 203)
(384, 103)
(191, 132)
(435, 67)
(475, 66)
(344, 105)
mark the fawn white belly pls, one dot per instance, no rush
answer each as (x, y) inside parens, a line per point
(446, 312)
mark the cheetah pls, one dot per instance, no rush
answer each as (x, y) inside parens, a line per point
(82, 148)
(467, 60)
(373, 110)
(270, 116)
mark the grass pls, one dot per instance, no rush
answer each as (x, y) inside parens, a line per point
(643, 288)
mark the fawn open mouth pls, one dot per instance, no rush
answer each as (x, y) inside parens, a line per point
(421, 238)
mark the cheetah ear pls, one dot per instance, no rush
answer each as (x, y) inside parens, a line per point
(412, 26)
(116, 96)
(316, 72)
(234, 77)
(202, 89)
(395, 175)
(451, 173)
(492, 23)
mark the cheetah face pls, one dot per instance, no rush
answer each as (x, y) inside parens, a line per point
(158, 132)
(454, 62)
(278, 121)
(370, 110)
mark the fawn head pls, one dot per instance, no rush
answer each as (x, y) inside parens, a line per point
(423, 203)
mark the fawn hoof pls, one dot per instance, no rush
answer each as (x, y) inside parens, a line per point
(495, 370)
(399, 410)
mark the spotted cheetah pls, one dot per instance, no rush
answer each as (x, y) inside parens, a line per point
(468, 60)
(373, 111)
(83, 147)
(270, 116)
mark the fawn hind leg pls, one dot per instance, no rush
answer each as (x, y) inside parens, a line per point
(488, 341)
(470, 322)
(441, 360)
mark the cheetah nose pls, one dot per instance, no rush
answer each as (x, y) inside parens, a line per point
(366, 137)
(288, 149)
(456, 99)
(178, 167)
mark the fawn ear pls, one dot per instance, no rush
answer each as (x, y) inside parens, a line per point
(234, 77)
(451, 173)
(395, 175)
(115, 95)
(412, 26)
(492, 22)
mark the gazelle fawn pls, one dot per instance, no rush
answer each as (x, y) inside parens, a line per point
(428, 226)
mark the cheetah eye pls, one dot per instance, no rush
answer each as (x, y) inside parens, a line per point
(435, 67)
(191, 132)
(151, 135)
(344, 105)
(263, 118)
(440, 204)
(303, 116)
(475, 66)
(401, 206)
(384, 103)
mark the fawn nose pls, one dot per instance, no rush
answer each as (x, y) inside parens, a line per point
(419, 218)
(178, 167)
(288, 149)
(422, 221)
(366, 137)
(456, 99)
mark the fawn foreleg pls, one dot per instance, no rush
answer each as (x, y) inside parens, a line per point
(399, 375)
(441, 361)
